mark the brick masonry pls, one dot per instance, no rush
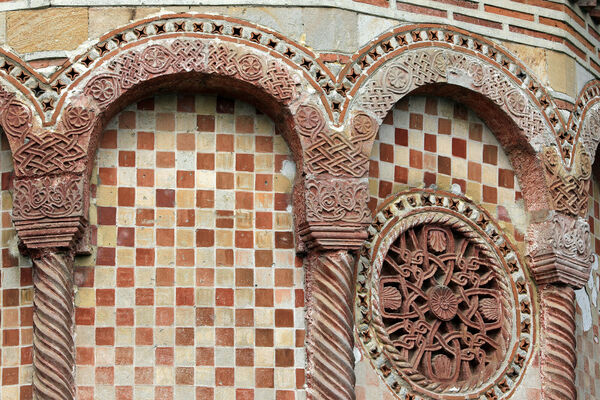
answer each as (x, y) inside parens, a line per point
(565, 28)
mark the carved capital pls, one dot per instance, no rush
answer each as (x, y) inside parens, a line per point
(560, 250)
(50, 211)
(336, 212)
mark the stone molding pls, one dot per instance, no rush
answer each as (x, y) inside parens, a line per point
(560, 250)
(329, 122)
(430, 256)
(50, 212)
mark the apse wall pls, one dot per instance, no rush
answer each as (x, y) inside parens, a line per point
(435, 142)
(194, 289)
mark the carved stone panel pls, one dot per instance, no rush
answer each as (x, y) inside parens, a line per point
(443, 305)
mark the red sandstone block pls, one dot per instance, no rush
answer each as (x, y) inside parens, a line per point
(284, 357)
(105, 375)
(184, 336)
(244, 357)
(125, 276)
(205, 356)
(145, 177)
(85, 355)
(459, 148)
(125, 317)
(225, 105)
(224, 143)
(105, 336)
(263, 258)
(244, 239)
(263, 182)
(165, 276)
(264, 377)
(186, 103)
(205, 123)
(264, 144)
(205, 277)
(126, 197)
(205, 393)
(126, 236)
(263, 297)
(127, 120)
(144, 375)
(144, 297)
(165, 159)
(124, 392)
(186, 142)
(165, 316)
(184, 296)
(205, 199)
(225, 180)
(123, 355)
(126, 158)
(144, 257)
(145, 140)
(508, 12)
(421, 10)
(284, 318)
(284, 277)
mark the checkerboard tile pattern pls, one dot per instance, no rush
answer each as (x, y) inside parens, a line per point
(16, 297)
(426, 141)
(588, 342)
(194, 290)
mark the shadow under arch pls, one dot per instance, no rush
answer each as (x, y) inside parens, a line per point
(514, 119)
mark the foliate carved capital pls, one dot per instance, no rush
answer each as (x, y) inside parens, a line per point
(336, 212)
(560, 250)
(569, 189)
(50, 211)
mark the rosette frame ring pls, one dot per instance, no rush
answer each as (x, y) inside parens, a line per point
(444, 305)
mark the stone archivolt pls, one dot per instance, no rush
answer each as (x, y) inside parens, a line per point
(476, 289)
(443, 303)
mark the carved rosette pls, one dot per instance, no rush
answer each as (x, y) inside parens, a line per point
(443, 303)
(50, 211)
(560, 250)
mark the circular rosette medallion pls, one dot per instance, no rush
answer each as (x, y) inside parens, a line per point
(443, 303)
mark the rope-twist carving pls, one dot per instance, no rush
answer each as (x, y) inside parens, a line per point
(330, 342)
(558, 343)
(53, 346)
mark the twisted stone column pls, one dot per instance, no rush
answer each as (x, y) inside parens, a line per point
(560, 254)
(53, 345)
(330, 341)
(558, 358)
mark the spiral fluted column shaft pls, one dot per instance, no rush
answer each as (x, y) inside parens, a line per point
(330, 341)
(53, 346)
(558, 359)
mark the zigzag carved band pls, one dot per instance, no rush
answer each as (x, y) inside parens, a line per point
(53, 346)
(558, 343)
(330, 342)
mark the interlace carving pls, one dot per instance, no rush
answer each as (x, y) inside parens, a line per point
(336, 154)
(448, 320)
(415, 68)
(436, 309)
(568, 188)
(181, 55)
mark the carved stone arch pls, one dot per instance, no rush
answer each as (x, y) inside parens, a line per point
(585, 118)
(518, 126)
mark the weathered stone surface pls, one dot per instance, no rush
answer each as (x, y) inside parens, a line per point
(561, 68)
(105, 19)
(45, 30)
(534, 58)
